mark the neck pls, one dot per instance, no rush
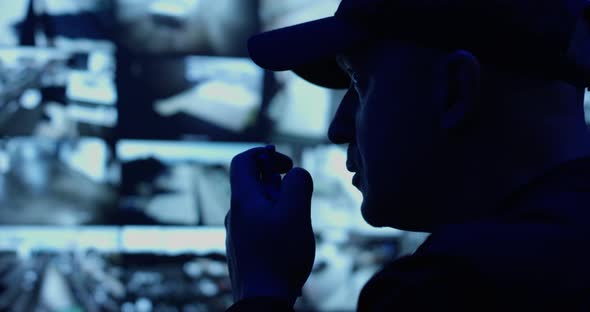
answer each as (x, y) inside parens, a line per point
(503, 152)
(499, 165)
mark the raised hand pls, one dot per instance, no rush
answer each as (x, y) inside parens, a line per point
(270, 242)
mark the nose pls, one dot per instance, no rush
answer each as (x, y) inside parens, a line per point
(343, 128)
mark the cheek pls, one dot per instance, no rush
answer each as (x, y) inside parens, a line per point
(375, 146)
(364, 135)
(395, 141)
(375, 129)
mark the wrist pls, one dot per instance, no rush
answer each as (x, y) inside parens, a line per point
(261, 304)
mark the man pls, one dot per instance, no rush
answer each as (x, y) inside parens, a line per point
(463, 119)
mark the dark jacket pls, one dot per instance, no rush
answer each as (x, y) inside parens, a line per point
(535, 257)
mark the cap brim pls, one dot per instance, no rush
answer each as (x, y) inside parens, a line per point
(309, 49)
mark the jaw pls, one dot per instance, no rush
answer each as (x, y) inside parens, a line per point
(401, 213)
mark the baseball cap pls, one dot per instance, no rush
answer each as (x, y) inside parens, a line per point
(528, 36)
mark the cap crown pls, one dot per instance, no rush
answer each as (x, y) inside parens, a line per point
(530, 35)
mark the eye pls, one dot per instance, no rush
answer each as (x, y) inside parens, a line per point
(357, 80)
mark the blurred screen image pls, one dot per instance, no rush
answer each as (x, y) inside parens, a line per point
(49, 182)
(176, 183)
(175, 56)
(190, 97)
(11, 15)
(56, 93)
(106, 269)
(187, 183)
(205, 27)
(55, 22)
(134, 268)
(299, 111)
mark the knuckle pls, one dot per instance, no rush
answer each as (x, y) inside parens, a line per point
(300, 171)
(237, 159)
(244, 156)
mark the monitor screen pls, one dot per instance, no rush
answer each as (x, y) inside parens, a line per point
(219, 27)
(57, 93)
(187, 183)
(137, 268)
(175, 56)
(175, 182)
(58, 68)
(11, 14)
(199, 97)
(57, 182)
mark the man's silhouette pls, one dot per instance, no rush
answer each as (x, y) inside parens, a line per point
(463, 119)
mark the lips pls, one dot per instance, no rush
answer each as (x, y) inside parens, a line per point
(350, 167)
(351, 160)
(356, 179)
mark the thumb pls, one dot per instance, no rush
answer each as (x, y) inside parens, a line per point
(296, 191)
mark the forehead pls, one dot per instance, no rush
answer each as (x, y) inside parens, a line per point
(389, 54)
(358, 56)
(376, 53)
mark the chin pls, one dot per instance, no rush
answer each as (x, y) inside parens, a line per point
(395, 215)
(371, 217)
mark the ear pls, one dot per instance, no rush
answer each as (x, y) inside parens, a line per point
(460, 88)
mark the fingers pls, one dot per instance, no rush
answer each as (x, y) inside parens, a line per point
(282, 163)
(296, 193)
(244, 174)
(270, 179)
(245, 171)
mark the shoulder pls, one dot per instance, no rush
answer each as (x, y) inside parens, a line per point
(420, 282)
(482, 267)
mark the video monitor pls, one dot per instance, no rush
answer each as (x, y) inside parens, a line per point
(300, 111)
(57, 182)
(205, 27)
(57, 67)
(136, 268)
(187, 183)
(175, 56)
(11, 15)
(57, 113)
(194, 97)
(57, 93)
(175, 182)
